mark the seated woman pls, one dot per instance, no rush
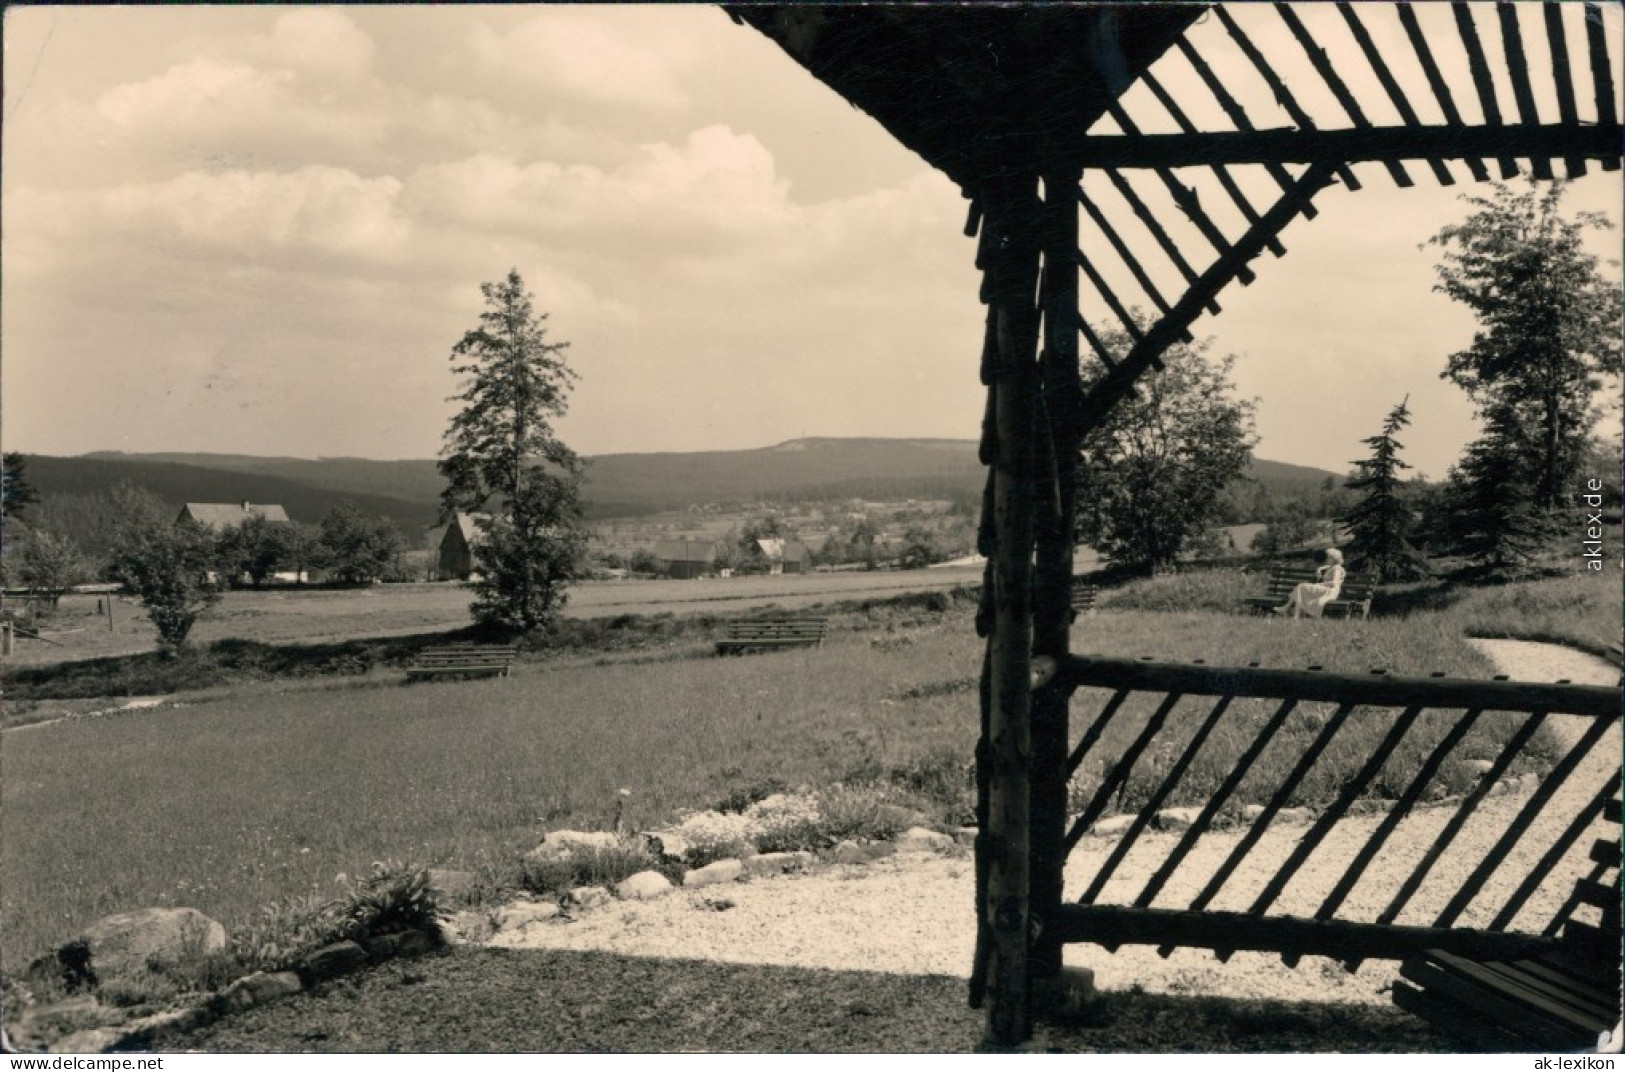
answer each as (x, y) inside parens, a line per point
(1311, 599)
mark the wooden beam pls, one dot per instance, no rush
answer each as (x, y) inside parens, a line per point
(1221, 173)
(1480, 68)
(1592, 701)
(1118, 925)
(1237, 114)
(1147, 353)
(1567, 114)
(1395, 94)
(1602, 75)
(1277, 87)
(1183, 196)
(1351, 145)
(1052, 569)
(1322, 65)
(1441, 88)
(1518, 70)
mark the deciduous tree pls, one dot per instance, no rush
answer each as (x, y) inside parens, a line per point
(1548, 334)
(502, 446)
(169, 565)
(356, 547)
(1151, 476)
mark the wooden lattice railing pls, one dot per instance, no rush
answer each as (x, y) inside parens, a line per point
(1230, 763)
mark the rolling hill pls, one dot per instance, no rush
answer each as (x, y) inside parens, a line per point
(619, 485)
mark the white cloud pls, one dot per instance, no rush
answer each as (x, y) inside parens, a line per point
(580, 56)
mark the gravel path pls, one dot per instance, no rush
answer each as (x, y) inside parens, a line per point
(913, 914)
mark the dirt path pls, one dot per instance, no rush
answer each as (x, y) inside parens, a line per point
(913, 914)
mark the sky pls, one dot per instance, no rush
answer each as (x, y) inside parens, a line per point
(261, 230)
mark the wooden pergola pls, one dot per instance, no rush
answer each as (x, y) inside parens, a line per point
(1049, 116)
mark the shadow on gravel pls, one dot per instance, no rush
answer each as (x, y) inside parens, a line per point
(507, 1001)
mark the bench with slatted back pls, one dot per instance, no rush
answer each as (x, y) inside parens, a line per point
(1562, 1000)
(464, 660)
(764, 634)
(1355, 597)
(1084, 597)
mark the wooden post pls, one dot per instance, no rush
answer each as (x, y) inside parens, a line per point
(1013, 217)
(5, 638)
(1053, 572)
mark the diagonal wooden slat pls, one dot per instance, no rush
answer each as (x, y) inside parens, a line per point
(1283, 793)
(1480, 68)
(1334, 81)
(1117, 779)
(1220, 172)
(1126, 191)
(1237, 114)
(1602, 75)
(1096, 728)
(1549, 785)
(1550, 858)
(1095, 344)
(1220, 797)
(1436, 82)
(1523, 94)
(1282, 94)
(1395, 94)
(1486, 783)
(1123, 251)
(1568, 114)
(1126, 842)
(1099, 283)
(1402, 807)
(1147, 353)
(1183, 196)
(1330, 817)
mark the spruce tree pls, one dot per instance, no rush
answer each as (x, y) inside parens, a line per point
(501, 453)
(1380, 524)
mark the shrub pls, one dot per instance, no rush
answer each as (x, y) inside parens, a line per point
(597, 867)
(394, 898)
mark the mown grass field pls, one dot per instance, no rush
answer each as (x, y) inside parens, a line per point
(244, 796)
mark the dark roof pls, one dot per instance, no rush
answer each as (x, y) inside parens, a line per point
(968, 86)
(229, 515)
(686, 551)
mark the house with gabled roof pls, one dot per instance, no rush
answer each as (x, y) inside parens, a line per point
(687, 558)
(457, 546)
(218, 517)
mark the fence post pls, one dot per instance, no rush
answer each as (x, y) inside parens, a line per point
(5, 638)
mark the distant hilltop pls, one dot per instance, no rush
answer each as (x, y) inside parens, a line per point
(618, 485)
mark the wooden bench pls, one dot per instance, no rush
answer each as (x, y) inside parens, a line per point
(1355, 598)
(1563, 1000)
(464, 660)
(1084, 597)
(765, 633)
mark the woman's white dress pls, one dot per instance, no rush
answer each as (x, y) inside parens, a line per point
(1311, 599)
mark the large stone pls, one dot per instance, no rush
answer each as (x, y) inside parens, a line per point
(667, 843)
(523, 913)
(562, 844)
(124, 944)
(339, 958)
(643, 886)
(469, 926)
(1251, 811)
(1112, 825)
(590, 896)
(1479, 767)
(408, 943)
(897, 816)
(1177, 818)
(919, 839)
(714, 874)
(260, 988)
(451, 885)
(776, 863)
(852, 852)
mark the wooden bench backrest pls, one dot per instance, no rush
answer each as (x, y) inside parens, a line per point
(776, 627)
(1357, 588)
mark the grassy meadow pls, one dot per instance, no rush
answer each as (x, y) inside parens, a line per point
(244, 796)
